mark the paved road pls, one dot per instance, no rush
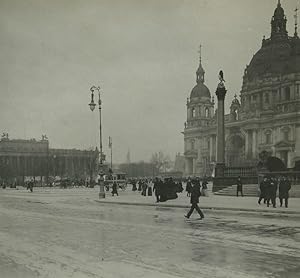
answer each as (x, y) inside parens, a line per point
(68, 234)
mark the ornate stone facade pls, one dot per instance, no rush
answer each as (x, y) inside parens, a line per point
(267, 116)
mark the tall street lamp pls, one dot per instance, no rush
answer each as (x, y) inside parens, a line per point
(92, 107)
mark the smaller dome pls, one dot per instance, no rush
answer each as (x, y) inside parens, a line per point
(279, 12)
(199, 91)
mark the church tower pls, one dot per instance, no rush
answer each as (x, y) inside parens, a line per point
(278, 24)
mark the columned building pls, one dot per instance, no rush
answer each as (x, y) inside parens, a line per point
(33, 158)
(266, 116)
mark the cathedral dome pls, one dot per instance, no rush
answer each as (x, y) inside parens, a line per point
(200, 91)
(279, 54)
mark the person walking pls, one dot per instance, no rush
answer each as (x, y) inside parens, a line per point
(195, 194)
(263, 190)
(284, 188)
(239, 187)
(115, 189)
(188, 188)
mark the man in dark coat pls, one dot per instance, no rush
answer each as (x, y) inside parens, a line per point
(284, 188)
(272, 192)
(195, 194)
(263, 190)
(114, 189)
(140, 185)
(134, 188)
(239, 187)
(188, 187)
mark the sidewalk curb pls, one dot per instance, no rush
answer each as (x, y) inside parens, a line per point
(202, 207)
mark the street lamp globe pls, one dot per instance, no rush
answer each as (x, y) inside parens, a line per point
(92, 105)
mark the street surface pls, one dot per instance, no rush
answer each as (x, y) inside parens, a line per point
(67, 233)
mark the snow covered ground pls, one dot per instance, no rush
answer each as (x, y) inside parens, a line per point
(66, 233)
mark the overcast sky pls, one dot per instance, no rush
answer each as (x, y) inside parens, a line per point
(143, 54)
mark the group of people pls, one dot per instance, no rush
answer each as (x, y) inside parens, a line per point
(268, 190)
(164, 190)
(196, 181)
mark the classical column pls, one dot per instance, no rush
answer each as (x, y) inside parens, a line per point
(220, 165)
(210, 147)
(254, 138)
(246, 144)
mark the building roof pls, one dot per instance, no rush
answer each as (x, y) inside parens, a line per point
(199, 91)
(280, 54)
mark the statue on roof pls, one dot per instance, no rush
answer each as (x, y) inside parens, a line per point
(221, 78)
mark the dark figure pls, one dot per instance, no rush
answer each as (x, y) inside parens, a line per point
(115, 189)
(263, 190)
(171, 189)
(179, 187)
(144, 188)
(272, 192)
(30, 186)
(140, 185)
(188, 188)
(239, 187)
(134, 188)
(149, 191)
(195, 194)
(157, 189)
(284, 188)
(163, 191)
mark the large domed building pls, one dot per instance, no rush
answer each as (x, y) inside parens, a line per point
(267, 116)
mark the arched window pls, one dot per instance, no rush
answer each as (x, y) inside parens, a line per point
(286, 133)
(193, 112)
(287, 93)
(297, 95)
(206, 112)
(266, 98)
(268, 137)
(192, 144)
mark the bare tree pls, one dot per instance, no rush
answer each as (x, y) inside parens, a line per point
(160, 161)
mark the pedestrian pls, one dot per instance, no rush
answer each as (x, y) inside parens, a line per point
(149, 191)
(157, 188)
(204, 187)
(134, 188)
(30, 185)
(239, 187)
(144, 188)
(272, 192)
(195, 194)
(263, 190)
(188, 187)
(140, 185)
(284, 188)
(179, 187)
(114, 189)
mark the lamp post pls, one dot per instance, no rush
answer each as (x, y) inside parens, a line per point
(92, 107)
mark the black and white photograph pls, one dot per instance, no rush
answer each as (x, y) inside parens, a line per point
(150, 139)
